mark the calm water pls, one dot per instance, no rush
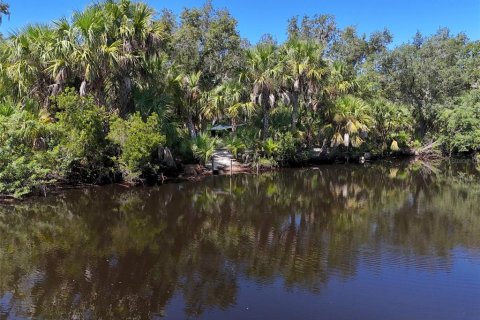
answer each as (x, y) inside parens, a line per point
(384, 241)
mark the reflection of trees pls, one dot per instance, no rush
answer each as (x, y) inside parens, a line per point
(114, 253)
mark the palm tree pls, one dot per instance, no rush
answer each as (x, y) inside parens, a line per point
(237, 103)
(131, 25)
(4, 10)
(157, 86)
(228, 99)
(302, 68)
(337, 84)
(263, 73)
(25, 62)
(189, 85)
(390, 118)
(103, 50)
(61, 64)
(215, 103)
(349, 121)
(90, 54)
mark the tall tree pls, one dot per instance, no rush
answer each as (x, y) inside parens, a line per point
(302, 68)
(353, 49)
(207, 40)
(263, 73)
(349, 121)
(190, 98)
(320, 28)
(427, 72)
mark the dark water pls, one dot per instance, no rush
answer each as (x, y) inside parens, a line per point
(387, 241)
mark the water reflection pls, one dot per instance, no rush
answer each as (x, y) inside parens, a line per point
(118, 253)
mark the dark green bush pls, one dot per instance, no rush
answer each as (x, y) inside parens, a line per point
(80, 145)
(460, 124)
(25, 160)
(137, 141)
(203, 147)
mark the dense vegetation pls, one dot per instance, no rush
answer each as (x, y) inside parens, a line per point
(96, 97)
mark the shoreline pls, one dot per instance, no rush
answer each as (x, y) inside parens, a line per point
(201, 172)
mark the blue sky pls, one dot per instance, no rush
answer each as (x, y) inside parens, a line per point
(256, 17)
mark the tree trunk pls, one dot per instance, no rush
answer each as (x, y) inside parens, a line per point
(346, 140)
(295, 110)
(191, 126)
(234, 125)
(266, 119)
(266, 114)
(125, 96)
(83, 89)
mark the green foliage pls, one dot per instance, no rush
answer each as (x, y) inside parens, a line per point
(460, 124)
(250, 137)
(427, 71)
(80, 146)
(22, 175)
(234, 145)
(138, 140)
(288, 150)
(203, 147)
(270, 147)
(393, 122)
(349, 121)
(265, 163)
(24, 158)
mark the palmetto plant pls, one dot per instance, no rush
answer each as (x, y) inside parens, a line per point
(349, 120)
(270, 146)
(203, 147)
(228, 99)
(234, 145)
(302, 69)
(337, 84)
(101, 50)
(190, 95)
(390, 119)
(263, 72)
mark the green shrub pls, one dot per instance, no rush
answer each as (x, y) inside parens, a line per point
(234, 145)
(265, 163)
(203, 147)
(393, 122)
(25, 160)
(137, 140)
(80, 137)
(22, 175)
(287, 150)
(270, 147)
(460, 124)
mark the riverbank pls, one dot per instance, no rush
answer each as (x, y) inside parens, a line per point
(225, 164)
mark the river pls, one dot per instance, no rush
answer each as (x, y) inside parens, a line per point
(380, 241)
